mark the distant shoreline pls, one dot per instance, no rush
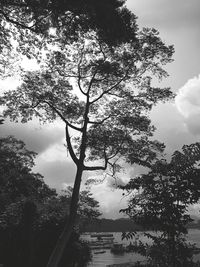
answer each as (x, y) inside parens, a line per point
(122, 225)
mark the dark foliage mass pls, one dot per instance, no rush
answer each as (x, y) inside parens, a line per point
(113, 22)
(109, 225)
(32, 215)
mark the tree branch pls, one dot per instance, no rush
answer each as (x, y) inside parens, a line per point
(79, 73)
(113, 94)
(16, 22)
(100, 122)
(69, 146)
(42, 18)
(101, 49)
(110, 89)
(62, 117)
(97, 168)
(91, 81)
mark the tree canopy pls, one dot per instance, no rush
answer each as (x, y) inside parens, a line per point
(103, 94)
(98, 92)
(112, 21)
(17, 181)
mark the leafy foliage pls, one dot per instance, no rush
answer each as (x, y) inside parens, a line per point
(105, 95)
(116, 90)
(87, 207)
(112, 21)
(27, 22)
(32, 215)
(160, 202)
(128, 235)
(16, 179)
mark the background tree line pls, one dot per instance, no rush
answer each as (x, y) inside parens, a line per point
(31, 214)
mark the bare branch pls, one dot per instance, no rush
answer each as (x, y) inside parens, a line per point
(91, 81)
(16, 22)
(95, 72)
(101, 80)
(101, 48)
(62, 117)
(110, 89)
(100, 122)
(113, 94)
(118, 150)
(97, 168)
(79, 73)
(37, 104)
(69, 146)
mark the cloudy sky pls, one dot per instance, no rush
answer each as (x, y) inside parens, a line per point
(177, 123)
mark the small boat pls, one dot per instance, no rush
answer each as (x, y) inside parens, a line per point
(127, 264)
(101, 241)
(100, 252)
(101, 235)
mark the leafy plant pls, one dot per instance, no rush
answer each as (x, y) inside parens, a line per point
(160, 203)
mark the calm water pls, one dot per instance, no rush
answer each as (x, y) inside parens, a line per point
(101, 260)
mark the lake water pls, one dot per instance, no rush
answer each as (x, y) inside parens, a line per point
(101, 260)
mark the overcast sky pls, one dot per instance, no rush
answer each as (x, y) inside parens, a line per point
(177, 123)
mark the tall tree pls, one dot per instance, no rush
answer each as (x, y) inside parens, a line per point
(30, 210)
(102, 94)
(160, 203)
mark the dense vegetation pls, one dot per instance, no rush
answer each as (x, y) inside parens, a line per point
(32, 215)
(109, 225)
(111, 116)
(160, 202)
(123, 225)
(94, 48)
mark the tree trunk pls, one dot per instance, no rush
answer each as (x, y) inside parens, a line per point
(63, 240)
(65, 235)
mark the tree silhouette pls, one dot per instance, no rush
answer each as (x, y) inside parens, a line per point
(102, 94)
(160, 203)
(21, 191)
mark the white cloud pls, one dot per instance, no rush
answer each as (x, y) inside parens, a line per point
(38, 137)
(56, 173)
(56, 152)
(111, 200)
(10, 83)
(188, 104)
(166, 13)
(29, 64)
